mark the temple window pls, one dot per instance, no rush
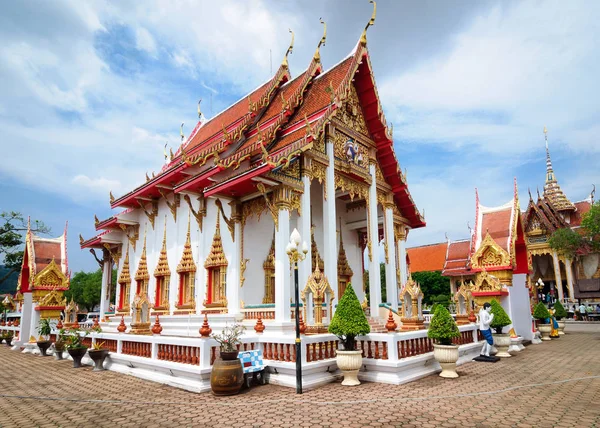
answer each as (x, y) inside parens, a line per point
(162, 273)
(269, 269)
(186, 302)
(141, 275)
(124, 285)
(216, 268)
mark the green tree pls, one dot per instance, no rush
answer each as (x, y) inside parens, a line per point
(349, 320)
(590, 224)
(501, 318)
(85, 289)
(433, 285)
(442, 328)
(566, 242)
(12, 237)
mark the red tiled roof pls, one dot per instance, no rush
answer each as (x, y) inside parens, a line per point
(427, 258)
(458, 256)
(582, 208)
(44, 253)
(497, 224)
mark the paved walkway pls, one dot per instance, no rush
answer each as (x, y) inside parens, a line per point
(556, 384)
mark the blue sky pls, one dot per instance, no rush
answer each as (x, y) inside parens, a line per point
(91, 91)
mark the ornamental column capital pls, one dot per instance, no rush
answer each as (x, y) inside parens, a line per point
(285, 198)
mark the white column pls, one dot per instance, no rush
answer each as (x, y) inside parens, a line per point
(374, 278)
(117, 293)
(106, 280)
(304, 225)
(557, 275)
(329, 224)
(569, 269)
(390, 267)
(233, 279)
(402, 256)
(25, 322)
(282, 268)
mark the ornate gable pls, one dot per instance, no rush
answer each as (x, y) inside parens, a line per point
(486, 283)
(490, 254)
(216, 257)
(51, 277)
(351, 114)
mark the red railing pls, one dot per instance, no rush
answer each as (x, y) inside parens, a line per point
(465, 337)
(319, 351)
(109, 344)
(138, 349)
(263, 314)
(242, 347)
(416, 346)
(374, 349)
(179, 354)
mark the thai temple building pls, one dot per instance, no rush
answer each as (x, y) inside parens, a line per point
(553, 273)
(43, 279)
(208, 233)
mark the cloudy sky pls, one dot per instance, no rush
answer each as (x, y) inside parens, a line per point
(91, 90)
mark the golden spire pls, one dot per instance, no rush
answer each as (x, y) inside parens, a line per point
(124, 277)
(162, 268)
(186, 264)
(216, 257)
(284, 63)
(363, 36)
(142, 270)
(317, 55)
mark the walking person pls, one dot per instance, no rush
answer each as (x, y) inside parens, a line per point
(583, 312)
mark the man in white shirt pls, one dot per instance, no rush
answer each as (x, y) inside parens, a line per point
(583, 312)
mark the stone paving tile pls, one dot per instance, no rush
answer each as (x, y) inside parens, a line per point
(556, 384)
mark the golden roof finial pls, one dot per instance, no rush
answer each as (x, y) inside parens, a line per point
(112, 198)
(289, 51)
(199, 111)
(363, 36)
(181, 131)
(317, 55)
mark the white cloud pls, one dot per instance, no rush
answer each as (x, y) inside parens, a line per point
(145, 41)
(99, 185)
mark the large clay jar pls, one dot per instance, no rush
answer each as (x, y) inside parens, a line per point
(349, 362)
(502, 342)
(447, 356)
(227, 374)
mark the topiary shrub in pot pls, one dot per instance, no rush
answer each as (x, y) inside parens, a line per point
(501, 320)
(442, 329)
(75, 346)
(541, 314)
(560, 313)
(98, 353)
(60, 344)
(44, 330)
(348, 322)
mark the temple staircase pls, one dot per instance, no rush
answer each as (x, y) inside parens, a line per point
(377, 325)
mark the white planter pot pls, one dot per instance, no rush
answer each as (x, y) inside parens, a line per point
(349, 363)
(545, 330)
(502, 342)
(447, 356)
(561, 326)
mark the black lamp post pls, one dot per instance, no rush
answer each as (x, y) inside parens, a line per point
(296, 256)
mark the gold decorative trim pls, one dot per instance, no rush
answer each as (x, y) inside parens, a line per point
(150, 214)
(490, 254)
(353, 187)
(486, 282)
(172, 205)
(201, 213)
(269, 271)
(256, 206)
(50, 277)
(186, 264)
(132, 232)
(228, 221)
(125, 283)
(271, 207)
(319, 171)
(319, 287)
(142, 271)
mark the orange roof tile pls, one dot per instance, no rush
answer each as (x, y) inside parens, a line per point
(497, 223)
(45, 252)
(427, 258)
(582, 208)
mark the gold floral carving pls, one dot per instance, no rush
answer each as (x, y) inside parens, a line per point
(125, 282)
(271, 206)
(201, 213)
(340, 148)
(490, 254)
(351, 115)
(319, 172)
(379, 174)
(51, 277)
(486, 282)
(186, 264)
(319, 287)
(353, 187)
(115, 253)
(256, 206)
(132, 232)
(216, 261)
(269, 271)
(162, 272)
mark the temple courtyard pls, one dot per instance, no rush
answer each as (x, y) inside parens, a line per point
(556, 384)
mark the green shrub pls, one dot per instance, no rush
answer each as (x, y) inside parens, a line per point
(559, 311)
(501, 319)
(442, 328)
(540, 312)
(349, 320)
(44, 328)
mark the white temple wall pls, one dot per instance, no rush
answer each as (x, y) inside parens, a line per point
(316, 200)
(258, 236)
(520, 310)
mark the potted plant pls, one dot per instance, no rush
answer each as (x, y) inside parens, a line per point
(560, 313)
(227, 375)
(541, 314)
(98, 354)
(501, 320)
(348, 322)
(60, 344)
(442, 329)
(44, 330)
(8, 337)
(75, 346)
